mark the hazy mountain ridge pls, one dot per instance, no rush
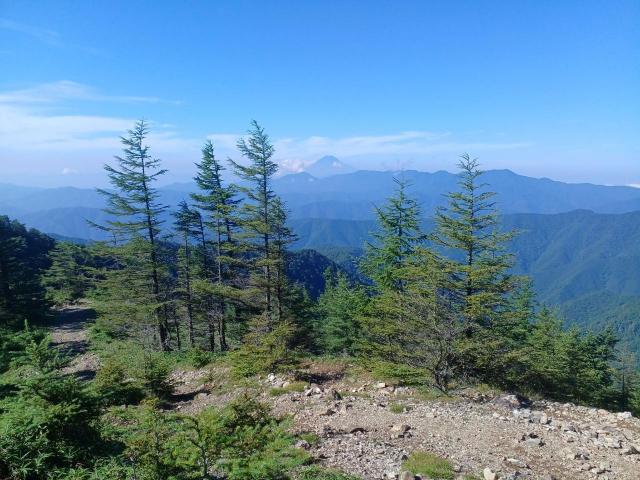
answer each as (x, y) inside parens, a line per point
(352, 195)
(572, 255)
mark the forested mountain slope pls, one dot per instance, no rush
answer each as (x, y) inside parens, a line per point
(584, 263)
(348, 196)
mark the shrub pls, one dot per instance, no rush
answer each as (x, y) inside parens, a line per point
(114, 386)
(151, 442)
(49, 424)
(199, 358)
(265, 352)
(14, 345)
(240, 441)
(155, 375)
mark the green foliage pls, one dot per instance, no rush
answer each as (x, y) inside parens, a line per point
(15, 344)
(23, 260)
(567, 364)
(199, 358)
(49, 423)
(395, 242)
(114, 386)
(397, 408)
(241, 441)
(137, 282)
(340, 307)
(429, 465)
(311, 438)
(264, 351)
(292, 387)
(155, 375)
(314, 472)
(70, 275)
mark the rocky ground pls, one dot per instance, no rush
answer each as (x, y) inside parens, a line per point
(368, 428)
(358, 430)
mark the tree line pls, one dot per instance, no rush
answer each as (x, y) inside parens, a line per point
(438, 307)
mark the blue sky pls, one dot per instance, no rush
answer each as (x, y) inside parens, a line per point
(542, 88)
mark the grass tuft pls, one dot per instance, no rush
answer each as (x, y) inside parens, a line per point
(429, 465)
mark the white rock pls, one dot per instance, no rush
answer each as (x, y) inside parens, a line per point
(489, 474)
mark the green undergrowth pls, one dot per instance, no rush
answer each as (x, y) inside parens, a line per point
(292, 387)
(311, 438)
(429, 465)
(314, 472)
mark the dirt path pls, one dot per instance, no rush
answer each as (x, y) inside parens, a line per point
(69, 334)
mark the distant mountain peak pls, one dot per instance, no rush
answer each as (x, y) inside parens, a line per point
(327, 166)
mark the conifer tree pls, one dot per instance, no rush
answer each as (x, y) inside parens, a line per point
(219, 204)
(256, 215)
(24, 257)
(387, 262)
(185, 219)
(467, 229)
(340, 306)
(432, 326)
(136, 214)
(478, 269)
(395, 242)
(282, 238)
(70, 274)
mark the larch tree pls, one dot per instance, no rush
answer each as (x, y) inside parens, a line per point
(468, 230)
(478, 267)
(135, 210)
(394, 243)
(185, 219)
(387, 262)
(256, 213)
(271, 334)
(219, 205)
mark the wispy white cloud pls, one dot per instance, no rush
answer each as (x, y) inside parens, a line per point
(49, 36)
(30, 120)
(294, 154)
(37, 128)
(55, 92)
(45, 35)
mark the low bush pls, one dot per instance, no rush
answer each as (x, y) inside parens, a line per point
(199, 358)
(114, 386)
(239, 442)
(50, 423)
(155, 375)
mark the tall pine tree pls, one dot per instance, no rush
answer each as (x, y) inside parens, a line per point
(477, 267)
(136, 212)
(257, 214)
(219, 205)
